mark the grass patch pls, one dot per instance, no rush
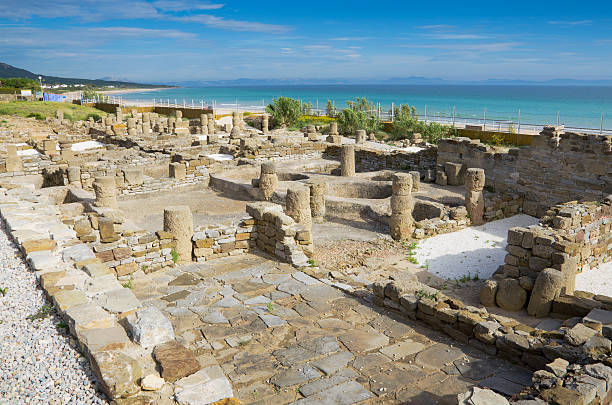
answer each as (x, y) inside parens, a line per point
(46, 109)
(305, 120)
(42, 313)
(175, 256)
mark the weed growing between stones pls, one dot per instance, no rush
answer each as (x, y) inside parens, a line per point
(42, 313)
(175, 256)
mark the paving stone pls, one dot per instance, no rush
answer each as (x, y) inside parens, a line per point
(549, 325)
(88, 316)
(65, 299)
(391, 327)
(413, 396)
(394, 377)
(284, 312)
(579, 334)
(185, 279)
(320, 292)
(369, 361)
(37, 245)
(43, 260)
(314, 387)
(227, 302)
(333, 323)
(276, 278)
(344, 394)
(363, 339)
(477, 396)
(515, 374)
(101, 284)
(438, 355)
(295, 375)
(235, 341)
(175, 361)
(175, 296)
(402, 349)
(477, 369)
(290, 356)
(209, 315)
(118, 301)
(501, 385)
(599, 316)
(149, 327)
(78, 253)
(305, 278)
(97, 270)
(331, 364)
(305, 310)
(321, 345)
(204, 387)
(292, 287)
(272, 321)
(260, 299)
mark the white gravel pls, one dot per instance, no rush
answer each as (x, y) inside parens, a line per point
(39, 362)
(597, 280)
(86, 145)
(476, 250)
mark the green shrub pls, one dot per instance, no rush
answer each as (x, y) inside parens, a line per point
(38, 116)
(406, 122)
(95, 116)
(330, 109)
(284, 111)
(358, 115)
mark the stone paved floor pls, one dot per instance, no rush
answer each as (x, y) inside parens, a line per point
(282, 337)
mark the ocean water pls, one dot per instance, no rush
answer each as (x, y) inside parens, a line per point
(574, 106)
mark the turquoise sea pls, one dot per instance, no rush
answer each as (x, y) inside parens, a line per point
(574, 106)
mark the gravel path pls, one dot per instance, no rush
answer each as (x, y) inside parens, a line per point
(597, 280)
(476, 250)
(40, 363)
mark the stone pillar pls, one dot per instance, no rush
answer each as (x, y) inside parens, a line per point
(50, 147)
(333, 128)
(146, 127)
(268, 180)
(317, 199)
(454, 173)
(211, 124)
(178, 114)
(146, 117)
(360, 136)
(235, 131)
(13, 161)
(212, 139)
(178, 171)
(106, 192)
(416, 180)
(119, 114)
(134, 113)
(134, 176)
(347, 161)
(131, 123)
(401, 223)
(265, 123)
(297, 205)
(74, 176)
(59, 115)
(204, 123)
(179, 222)
(474, 199)
(66, 151)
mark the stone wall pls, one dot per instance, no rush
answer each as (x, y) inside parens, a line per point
(369, 160)
(557, 167)
(212, 243)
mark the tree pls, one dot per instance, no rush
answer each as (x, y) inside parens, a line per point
(90, 94)
(284, 111)
(358, 115)
(330, 109)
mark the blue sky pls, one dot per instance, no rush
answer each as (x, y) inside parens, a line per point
(163, 40)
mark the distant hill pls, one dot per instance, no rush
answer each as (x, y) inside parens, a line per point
(7, 70)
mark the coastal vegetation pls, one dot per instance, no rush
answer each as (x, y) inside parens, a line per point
(45, 109)
(15, 84)
(360, 114)
(406, 122)
(284, 111)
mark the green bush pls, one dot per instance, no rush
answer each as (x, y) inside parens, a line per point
(38, 116)
(406, 122)
(284, 111)
(20, 83)
(90, 94)
(330, 109)
(360, 114)
(95, 116)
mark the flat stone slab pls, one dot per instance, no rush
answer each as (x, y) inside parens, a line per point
(320, 292)
(332, 364)
(321, 345)
(43, 260)
(97, 340)
(391, 327)
(305, 278)
(204, 387)
(501, 385)
(438, 355)
(314, 387)
(477, 369)
(294, 355)
(175, 361)
(599, 316)
(402, 349)
(363, 339)
(78, 253)
(88, 316)
(272, 320)
(370, 361)
(295, 375)
(392, 378)
(118, 301)
(334, 323)
(65, 299)
(343, 394)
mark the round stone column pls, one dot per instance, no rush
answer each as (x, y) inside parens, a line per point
(268, 180)
(347, 161)
(179, 222)
(297, 205)
(360, 136)
(401, 223)
(204, 123)
(106, 192)
(317, 199)
(474, 198)
(74, 176)
(416, 180)
(211, 124)
(333, 128)
(265, 123)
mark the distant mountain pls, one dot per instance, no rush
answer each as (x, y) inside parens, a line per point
(7, 70)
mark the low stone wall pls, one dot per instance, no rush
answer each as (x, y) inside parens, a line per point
(277, 151)
(369, 160)
(570, 238)
(213, 243)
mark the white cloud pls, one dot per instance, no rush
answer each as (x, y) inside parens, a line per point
(133, 32)
(173, 5)
(233, 25)
(571, 22)
(437, 27)
(455, 36)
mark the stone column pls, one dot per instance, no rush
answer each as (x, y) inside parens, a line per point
(66, 151)
(211, 124)
(268, 180)
(179, 222)
(474, 199)
(333, 128)
(235, 131)
(347, 161)
(119, 114)
(360, 136)
(204, 123)
(178, 114)
(265, 123)
(13, 161)
(177, 171)
(131, 123)
(297, 205)
(74, 176)
(106, 192)
(59, 115)
(317, 199)
(416, 180)
(401, 223)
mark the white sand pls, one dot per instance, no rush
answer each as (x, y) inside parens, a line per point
(27, 152)
(220, 157)
(597, 280)
(477, 250)
(80, 146)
